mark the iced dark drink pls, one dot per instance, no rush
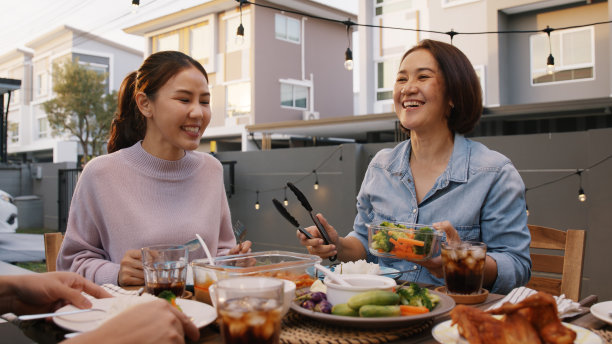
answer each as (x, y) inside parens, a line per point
(250, 320)
(463, 264)
(165, 268)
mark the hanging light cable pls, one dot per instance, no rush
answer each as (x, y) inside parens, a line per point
(550, 61)
(526, 206)
(285, 202)
(348, 54)
(240, 30)
(257, 201)
(316, 184)
(581, 195)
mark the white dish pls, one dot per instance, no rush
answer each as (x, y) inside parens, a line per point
(200, 313)
(384, 271)
(602, 311)
(447, 334)
(445, 305)
(358, 283)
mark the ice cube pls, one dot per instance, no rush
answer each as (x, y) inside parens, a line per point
(236, 328)
(255, 319)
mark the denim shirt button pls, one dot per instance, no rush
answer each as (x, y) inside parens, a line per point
(414, 267)
(414, 211)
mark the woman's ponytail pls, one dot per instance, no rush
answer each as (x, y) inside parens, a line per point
(129, 125)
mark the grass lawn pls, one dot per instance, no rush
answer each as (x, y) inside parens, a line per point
(39, 266)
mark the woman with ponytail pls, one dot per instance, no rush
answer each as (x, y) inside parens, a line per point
(153, 187)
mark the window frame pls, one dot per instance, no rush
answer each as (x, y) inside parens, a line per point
(559, 57)
(40, 135)
(377, 89)
(453, 3)
(13, 139)
(287, 19)
(227, 87)
(307, 85)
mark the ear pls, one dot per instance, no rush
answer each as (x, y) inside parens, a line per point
(144, 104)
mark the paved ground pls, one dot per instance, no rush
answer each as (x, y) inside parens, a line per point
(21, 247)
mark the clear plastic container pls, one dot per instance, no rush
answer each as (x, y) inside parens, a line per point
(279, 264)
(408, 241)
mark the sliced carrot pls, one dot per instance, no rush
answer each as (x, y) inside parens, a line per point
(411, 242)
(412, 310)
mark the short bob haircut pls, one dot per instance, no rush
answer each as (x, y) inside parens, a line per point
(461, 83)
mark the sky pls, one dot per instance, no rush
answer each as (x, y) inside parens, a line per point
(23, 20)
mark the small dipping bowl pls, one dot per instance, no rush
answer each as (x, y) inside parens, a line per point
(359, 283)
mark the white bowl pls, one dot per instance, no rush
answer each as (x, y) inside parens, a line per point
(337, 294)
(289, 295)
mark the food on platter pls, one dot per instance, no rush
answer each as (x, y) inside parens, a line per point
(357, 267)
(316, 301)
(406, 241)
(408, 301)
(170, 297)
(533, 320)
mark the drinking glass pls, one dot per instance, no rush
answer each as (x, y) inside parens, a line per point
(165, 268)
(250, 309)
(463, 265)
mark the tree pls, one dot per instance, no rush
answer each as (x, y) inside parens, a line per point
(81, 106)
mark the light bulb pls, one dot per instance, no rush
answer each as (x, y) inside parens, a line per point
(348, 59)
(257, 205)
(135, 3)
(286, 202)
(526, 209)
(581, 195)
(316, 185)
(550, 65)
(240, 35)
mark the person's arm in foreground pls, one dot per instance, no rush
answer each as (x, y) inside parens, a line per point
(46, 292)
(152, 322)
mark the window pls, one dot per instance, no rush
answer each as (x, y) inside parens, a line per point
(294, 96)
(43, 128)
(41, 84)
(287, 28)
(13, 132)
(168, 42)
(390, 6)
(238, 99)
(100, 69)
(201, 44)
(574, 54)
(480, 72)
(449, 3)
(386, 71)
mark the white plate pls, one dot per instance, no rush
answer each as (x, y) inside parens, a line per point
(385, 271)
(447, 334)
(445, 305)
(200, 313)
(602, 311)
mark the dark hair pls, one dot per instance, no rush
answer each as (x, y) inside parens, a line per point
(129, 125)
(461, 83)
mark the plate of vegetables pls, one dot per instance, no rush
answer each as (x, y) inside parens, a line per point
(403, 241)
(376, 308)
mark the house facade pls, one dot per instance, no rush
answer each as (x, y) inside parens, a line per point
(285, 67)
(29, 135)
(520, 95)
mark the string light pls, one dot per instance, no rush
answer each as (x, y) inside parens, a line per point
(257, 201)
(348, 55)
(581, 195)
(316, 184)
(240, 30)
(135, 3)
(526, 206)
(286, 202)
(550, 61)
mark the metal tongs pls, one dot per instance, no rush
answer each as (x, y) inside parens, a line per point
(304, 201)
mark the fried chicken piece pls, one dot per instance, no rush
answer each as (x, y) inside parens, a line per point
(540, 310)
(479, 327)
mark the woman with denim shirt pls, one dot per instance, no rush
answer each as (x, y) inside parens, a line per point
(440, 177)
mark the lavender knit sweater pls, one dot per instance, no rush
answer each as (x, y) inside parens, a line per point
(130, 199)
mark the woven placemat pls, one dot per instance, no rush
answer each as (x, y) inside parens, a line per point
(606, 335)
(300, 329)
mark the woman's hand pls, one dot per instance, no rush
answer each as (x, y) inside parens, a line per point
(316, 245)
(131, 270)
(151, 322)
(434, 265)
(244, 247)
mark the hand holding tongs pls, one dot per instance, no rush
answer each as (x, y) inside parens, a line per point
(300, 196)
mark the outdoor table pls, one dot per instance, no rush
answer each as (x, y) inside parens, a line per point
(47, 332)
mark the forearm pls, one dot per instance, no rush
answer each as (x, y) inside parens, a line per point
(350, 249)
(490, 272)
(7, 293)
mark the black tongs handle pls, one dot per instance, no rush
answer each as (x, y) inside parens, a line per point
(289, 218)
(300, 196)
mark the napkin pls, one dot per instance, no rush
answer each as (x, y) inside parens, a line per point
(565, 307)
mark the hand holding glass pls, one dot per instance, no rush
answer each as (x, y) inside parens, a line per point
(463, 265)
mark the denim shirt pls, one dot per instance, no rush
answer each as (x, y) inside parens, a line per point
(480, 193)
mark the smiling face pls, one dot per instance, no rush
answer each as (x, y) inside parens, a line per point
(177, 115)
(419, 94)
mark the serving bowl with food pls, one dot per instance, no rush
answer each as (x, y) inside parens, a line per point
(413, 242)
(358, 283)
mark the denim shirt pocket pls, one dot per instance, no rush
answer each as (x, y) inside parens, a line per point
(469, 233)
(376, 216)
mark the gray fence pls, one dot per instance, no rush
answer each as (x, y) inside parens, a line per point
(67, 180)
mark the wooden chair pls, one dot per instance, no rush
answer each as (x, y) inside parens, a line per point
(53, 242)
(554, 273)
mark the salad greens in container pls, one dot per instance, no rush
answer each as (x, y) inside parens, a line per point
(403, 240)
